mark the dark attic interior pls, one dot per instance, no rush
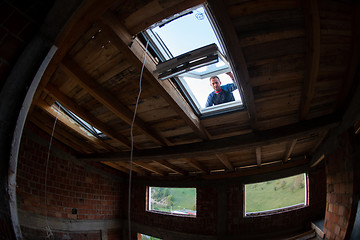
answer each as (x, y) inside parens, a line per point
(104, 132)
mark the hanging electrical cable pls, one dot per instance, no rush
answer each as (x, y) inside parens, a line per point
(132, 140)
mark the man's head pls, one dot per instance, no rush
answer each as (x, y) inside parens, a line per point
(215, 83)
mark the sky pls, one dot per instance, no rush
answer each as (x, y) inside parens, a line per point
(187, 33)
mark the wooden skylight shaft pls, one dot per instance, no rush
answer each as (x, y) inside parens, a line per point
(236, 56)
(121, 38)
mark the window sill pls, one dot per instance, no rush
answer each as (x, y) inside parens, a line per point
(276, 211)
(172, 214)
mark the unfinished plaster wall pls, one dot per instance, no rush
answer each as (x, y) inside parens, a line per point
(74, 191)
(343, 177)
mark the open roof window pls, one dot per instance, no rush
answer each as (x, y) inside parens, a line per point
(190, 52)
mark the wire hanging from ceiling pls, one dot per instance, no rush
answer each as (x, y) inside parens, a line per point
(132, 140)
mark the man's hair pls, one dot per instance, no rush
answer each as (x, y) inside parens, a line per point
(214, 77)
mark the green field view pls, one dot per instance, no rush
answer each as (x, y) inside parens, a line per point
(275, 194)
(173, 199)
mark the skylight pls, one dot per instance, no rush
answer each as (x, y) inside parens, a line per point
(190, 52)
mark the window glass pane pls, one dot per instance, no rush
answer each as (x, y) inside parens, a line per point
(141, 236)
(275, 194)
(192, 31)
(173, 200)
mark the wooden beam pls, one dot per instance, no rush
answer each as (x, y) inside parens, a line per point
(85, 115)
(116, 166)
(122, 39)
(258, 156)
(150, 168)
(224, 160)
(67, 121)
(82, 19)
(172, 167)
(318, 161)
(321, 139)
(230, 144)
(135, 168)
(289, 150)
(73, 70)
(197, 165)
(236, 56)
(312, 25)
(156, 11)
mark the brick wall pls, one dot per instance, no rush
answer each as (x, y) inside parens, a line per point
(207, 222)
(74, 190)
(19, 22)
(342, 170)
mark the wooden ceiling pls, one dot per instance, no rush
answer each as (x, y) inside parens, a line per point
(296, 62)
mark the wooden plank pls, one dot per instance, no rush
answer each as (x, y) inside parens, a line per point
(236, 56)
(230, 144)
(73, 70)
(156, 11)
(197, 165)
(82, 19)
(312, 26)
(116, 166)
(172, 167)
(150, 168)
(224, 160)
(289, 150)
(120, 37)
(85, 115)
(66, 120)
(258, 156)
(135, 168)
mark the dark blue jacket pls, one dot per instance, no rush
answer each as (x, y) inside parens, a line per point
(224, 96)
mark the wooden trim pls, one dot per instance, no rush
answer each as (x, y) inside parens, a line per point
(172, 167)
(85, 115)
(289, 150)
(230, 144)
(197, 165)
(236, 56)
(150, 168)
(122, 39)
(224, 160)
(312, 25)
(258, 156)
(73, 70)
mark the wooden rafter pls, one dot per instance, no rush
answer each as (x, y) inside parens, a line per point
(134, 168)
(258, 156)
(236, 56)
(122, 39)
(224, 160)
(172, 167)
(156, 11)
(116, 166)
(197, 165)
(230, 144)
(312, 22)
(289, 150)
(82, 19)
(150, 168)
(85, 115)
(75, 127)
(73, 70)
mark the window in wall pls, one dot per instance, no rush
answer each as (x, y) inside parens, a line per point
(141, 236)
(88, 127)
(190, 51)
(276, 195)
(177, 201)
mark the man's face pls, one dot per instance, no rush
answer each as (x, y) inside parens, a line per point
(215, 84)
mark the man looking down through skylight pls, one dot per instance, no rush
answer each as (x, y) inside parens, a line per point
(221, 94)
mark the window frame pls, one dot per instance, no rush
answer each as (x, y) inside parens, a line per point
(164, 54)
(278, 210)
(147, 203)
